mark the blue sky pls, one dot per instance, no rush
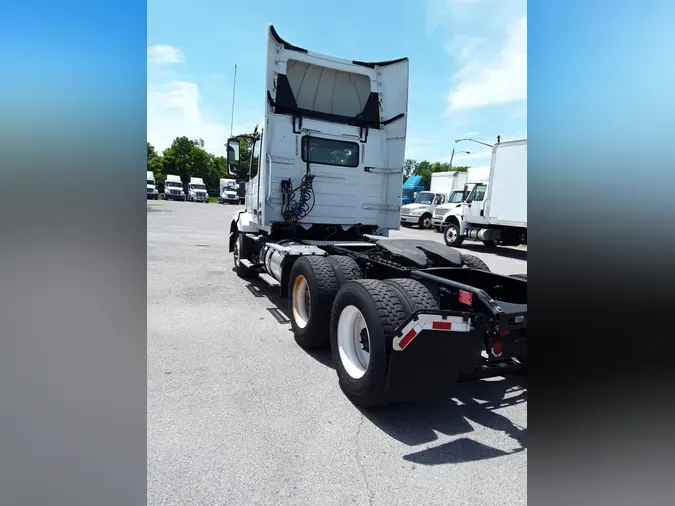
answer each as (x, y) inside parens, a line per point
(468, 65)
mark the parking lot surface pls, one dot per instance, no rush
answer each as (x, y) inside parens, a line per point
(238, 414)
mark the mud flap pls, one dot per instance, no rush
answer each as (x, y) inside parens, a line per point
(429, 353)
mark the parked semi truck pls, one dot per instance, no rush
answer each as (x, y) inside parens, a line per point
(410, 189)
(228, 191)
(152, 187)
(445, 187)
(173, 188)
(495, 212)
(451, 211)
(405, 320)
(197, 190)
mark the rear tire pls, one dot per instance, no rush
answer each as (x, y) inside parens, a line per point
(346, 269)
(451, 235)
(377, 306)
(312, 287)
(414, 296)
(474, 262)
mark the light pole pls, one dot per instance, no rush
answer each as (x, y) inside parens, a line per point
(479, 142)
(452, 156)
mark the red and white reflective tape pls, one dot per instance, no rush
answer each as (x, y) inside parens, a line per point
(430, 322)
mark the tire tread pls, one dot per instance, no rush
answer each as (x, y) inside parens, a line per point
(474, 262)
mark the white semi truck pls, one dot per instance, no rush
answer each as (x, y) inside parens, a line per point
(405, 320)
(228, 191)
(173, 188)
(445, 187)
(197, 190)
(495, 212)
(452, 211)
(152, 188)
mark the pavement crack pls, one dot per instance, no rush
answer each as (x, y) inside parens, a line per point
(371, 493)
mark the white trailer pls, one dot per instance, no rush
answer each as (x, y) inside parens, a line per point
(496, 213)
(451, 211)
(445, 187)
(152, 187)
(173, 188)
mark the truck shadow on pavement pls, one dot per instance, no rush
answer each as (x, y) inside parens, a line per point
(414, 424)
(516, 254)
(474, 403)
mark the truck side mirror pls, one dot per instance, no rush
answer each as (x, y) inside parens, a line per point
(233, 156)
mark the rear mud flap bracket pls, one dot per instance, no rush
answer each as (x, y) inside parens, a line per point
(430, 352)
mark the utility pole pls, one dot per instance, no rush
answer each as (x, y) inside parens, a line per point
(234, 88)
(452, 156)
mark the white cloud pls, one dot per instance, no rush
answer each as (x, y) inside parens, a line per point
(483, 82)
(175, 107)
(174, 110)
(165, 55)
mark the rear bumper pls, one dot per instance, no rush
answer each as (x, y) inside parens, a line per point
(433, 350)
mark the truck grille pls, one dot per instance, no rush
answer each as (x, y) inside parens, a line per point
(438, 213)
(405, 211)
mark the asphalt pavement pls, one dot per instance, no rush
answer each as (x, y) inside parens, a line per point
(238, 414)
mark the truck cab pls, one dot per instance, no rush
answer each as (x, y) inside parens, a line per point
(228, 191)
(331, 145)
(445, 186)
(448, 218)
(453, 208)
(173, 188)
(197, 190)
(421, 211)
(410, 189)
(151, 186)
(454, 202)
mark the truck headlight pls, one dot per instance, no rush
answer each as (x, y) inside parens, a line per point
(417, 212)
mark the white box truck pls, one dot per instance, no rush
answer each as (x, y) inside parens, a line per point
(452, 210)
(445, 187)
(173, 188)
(197, 190)
(228, 191)
(496, 213)
(152, 188)
(404, 319)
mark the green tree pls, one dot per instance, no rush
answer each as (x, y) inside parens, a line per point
(178, 158)
(409, 168)
(152, 153)
(426, 169)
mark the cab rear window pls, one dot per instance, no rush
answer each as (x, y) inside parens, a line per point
(330, 152)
